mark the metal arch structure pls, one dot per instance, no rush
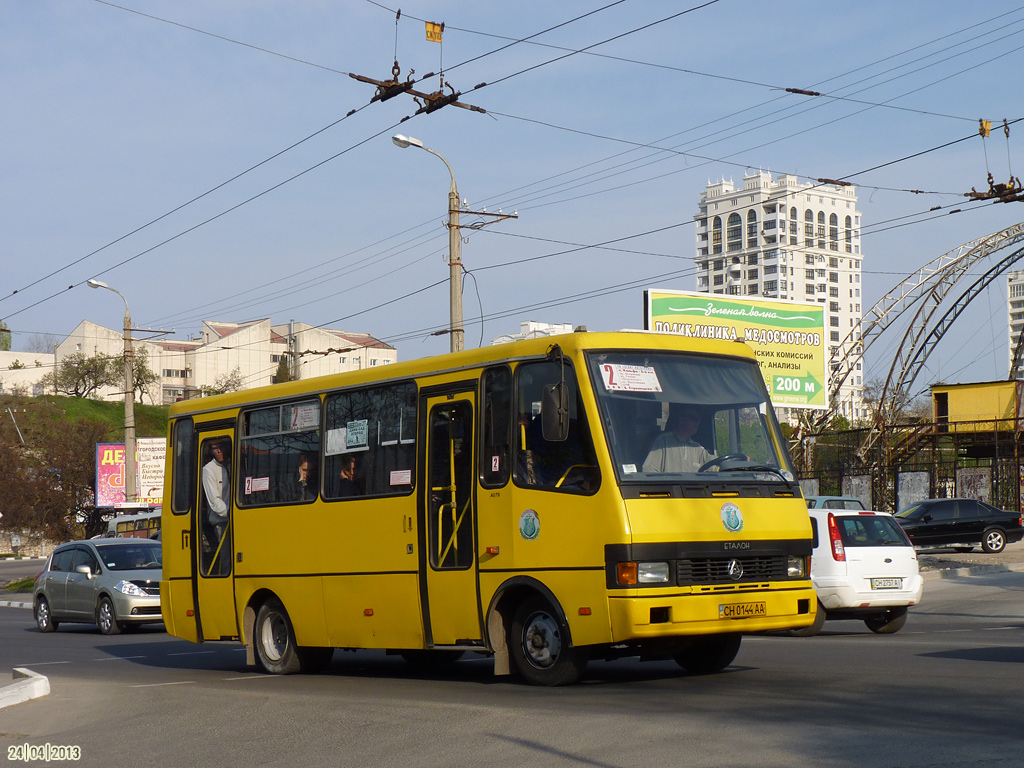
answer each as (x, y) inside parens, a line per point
(931, 283)
(928, 285)
(904, 369)
(915, 339)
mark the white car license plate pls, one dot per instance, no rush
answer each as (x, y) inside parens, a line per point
(886, 583)
(741, 610)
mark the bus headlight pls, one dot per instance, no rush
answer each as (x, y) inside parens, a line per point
(652, 573)
(627, 574)
(796, 568)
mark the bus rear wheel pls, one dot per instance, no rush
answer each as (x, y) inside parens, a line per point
(706, 654)
(274, 639)
(541, 647)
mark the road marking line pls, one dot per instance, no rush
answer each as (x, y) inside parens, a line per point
(118, 658)
(255, 677)
(190, 653)
(42, 663)
(157, 685)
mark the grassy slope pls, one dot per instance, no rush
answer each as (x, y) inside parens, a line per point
(35, 412)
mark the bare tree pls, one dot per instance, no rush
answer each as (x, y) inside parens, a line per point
(41, 343)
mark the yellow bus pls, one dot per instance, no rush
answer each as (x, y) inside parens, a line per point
(536, 501)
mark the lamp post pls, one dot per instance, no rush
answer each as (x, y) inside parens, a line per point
(130, 485)
(454, 246)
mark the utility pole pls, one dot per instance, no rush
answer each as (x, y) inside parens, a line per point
(458, 342)
(131, 494)
(455, 328)
(293, 348)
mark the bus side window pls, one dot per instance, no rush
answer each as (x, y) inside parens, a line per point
(567, 465)
(370, 441)
(280, 450)
(496, 427)
(182, 491)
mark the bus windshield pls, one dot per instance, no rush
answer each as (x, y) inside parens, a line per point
(679, 417)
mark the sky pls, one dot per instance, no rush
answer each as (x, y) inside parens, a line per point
(216, 161)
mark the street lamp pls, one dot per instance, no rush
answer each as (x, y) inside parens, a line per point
(454, 246)
(130, 485)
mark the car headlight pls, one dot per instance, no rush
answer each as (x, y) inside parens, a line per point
(128, 588)
(796, 567)
(652, 573)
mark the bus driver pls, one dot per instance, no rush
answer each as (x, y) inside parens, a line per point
(675, 450)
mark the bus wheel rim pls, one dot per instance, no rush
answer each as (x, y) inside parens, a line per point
(274, 637)
(542, 641)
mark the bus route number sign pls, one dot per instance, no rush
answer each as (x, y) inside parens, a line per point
(629, 378)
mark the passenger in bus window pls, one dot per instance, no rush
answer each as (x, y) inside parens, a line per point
(300, 486)
(347, 485)
(675, 449)
(217, 486)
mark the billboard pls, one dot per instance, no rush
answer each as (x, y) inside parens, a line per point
(788, 337)
(150, 453)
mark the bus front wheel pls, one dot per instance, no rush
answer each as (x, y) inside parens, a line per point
(541, 647)
(275, 640)
(706, 654)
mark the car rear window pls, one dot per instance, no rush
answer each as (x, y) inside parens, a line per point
(134, 556)
(843, 504)
(871, 531)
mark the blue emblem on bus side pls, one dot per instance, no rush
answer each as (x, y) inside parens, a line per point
(529, 525)
(732, 518)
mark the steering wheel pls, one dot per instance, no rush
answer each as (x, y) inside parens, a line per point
(719, 460)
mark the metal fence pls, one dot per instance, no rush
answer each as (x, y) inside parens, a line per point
(907, 463)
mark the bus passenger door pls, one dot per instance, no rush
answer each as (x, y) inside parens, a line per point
(453, 614)
(213, 536)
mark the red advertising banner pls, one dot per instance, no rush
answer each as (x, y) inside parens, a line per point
(149, 464)
(109, 475)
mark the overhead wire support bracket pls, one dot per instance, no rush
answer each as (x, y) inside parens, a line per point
(495, 217)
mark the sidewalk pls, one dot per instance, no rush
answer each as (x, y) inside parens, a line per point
(945, 563)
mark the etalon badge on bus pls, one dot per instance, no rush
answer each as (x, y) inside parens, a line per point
(529, 525)
(732, 518)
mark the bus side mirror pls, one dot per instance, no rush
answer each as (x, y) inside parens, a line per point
(554, 413)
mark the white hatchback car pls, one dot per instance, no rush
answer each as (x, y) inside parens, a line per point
(863, 567)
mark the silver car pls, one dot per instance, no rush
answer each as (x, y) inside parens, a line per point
(114, 583)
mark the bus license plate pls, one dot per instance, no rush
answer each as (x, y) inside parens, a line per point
(886, 583)
(741, 610)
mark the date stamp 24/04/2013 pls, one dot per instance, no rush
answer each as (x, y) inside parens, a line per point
(30, 753)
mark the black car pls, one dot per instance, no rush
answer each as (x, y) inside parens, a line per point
(960, 523)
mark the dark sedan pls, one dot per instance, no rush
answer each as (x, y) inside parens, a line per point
(960, 523)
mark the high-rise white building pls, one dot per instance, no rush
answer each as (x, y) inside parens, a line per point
(784, 239)
(1015, 310)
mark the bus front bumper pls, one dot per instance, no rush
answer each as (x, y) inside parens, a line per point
(640, 616)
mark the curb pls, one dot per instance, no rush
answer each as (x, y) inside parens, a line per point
(14, 604)
(27, 685)
(974, 570)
